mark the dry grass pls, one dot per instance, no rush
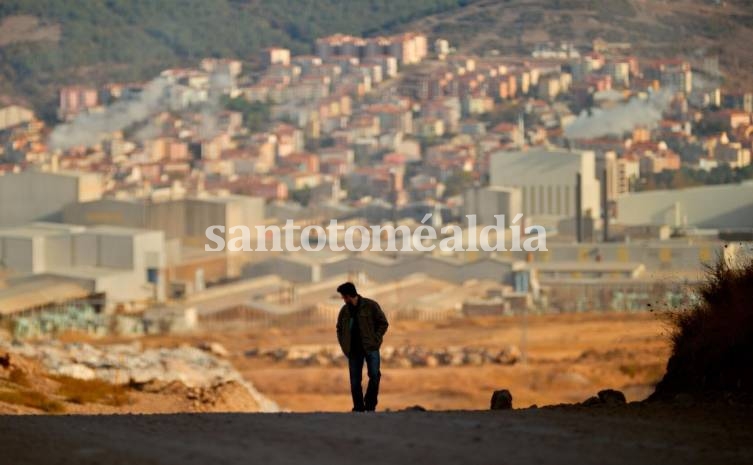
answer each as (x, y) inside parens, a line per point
(712, 341)
(33, 399)
(91, 391)
(18, 376)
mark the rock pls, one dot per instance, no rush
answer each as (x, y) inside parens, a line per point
(404, 363)
(214, 348)
(145, 375)
(431, 361)
(76, 370)
(251, 353)
(612, 397)
(456, 359)
(473, 358)
(509, 355)
(501, 400)
(414, 408)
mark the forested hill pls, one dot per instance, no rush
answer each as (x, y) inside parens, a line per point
(44, 43)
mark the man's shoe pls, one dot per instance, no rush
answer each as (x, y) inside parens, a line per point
(358, 410)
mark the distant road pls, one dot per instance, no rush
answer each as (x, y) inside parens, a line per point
(631, 435)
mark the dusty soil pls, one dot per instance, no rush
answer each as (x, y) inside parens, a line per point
(151, 398)
(569, 358)
(628, 435)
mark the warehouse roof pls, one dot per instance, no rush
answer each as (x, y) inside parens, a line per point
(38, 292)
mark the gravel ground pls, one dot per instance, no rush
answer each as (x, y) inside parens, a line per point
(632, 434)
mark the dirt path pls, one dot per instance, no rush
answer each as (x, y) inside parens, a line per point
(629, 435)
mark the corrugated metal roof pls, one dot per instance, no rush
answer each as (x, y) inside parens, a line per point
(39, 292)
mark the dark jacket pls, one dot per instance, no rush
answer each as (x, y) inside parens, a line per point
(372, 324)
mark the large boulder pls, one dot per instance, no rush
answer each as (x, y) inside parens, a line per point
(501, 400)
(76, 370)
(612, 397)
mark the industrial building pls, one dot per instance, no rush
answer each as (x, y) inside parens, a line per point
(186, 219)
(125, 265)
(547, 179)
(486, 202)
(728, 206)
(40, 196)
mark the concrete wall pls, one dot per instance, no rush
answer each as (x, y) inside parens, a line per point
(726, 206)
(86, 250)
(547, 179)
(116, 259)
(489, 201)
(115, 251)
(104, 211)
(37, 196)
(17, 254)
(58, 252)
(187, 218)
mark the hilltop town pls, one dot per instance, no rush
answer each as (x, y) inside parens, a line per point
(637, 168)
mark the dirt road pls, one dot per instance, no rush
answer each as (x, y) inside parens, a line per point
(628, 435)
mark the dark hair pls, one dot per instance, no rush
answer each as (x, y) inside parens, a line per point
(348, 289)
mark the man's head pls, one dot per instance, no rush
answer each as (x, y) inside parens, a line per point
(348, 293)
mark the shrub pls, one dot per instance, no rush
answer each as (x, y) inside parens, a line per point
(712, 341)
(33, 399)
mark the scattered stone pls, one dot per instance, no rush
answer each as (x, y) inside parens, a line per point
(400, 357)
(612, 397)
(501, 400)
(414, 408)
(214, 348)
(76, 370)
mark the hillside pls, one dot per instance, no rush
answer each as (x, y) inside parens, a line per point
(27, 387)
(44, 43)
(655, 28)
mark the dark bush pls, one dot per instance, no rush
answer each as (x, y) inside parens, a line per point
(712, 341)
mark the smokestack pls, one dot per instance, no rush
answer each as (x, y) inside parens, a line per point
(578, 209)
(605, 207)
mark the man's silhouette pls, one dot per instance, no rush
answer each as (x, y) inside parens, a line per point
(361, 325)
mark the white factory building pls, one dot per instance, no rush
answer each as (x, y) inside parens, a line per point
(547, 180)
(728, 206)
(486, 202)
(186, 219)
(125, 264)
(40, 196)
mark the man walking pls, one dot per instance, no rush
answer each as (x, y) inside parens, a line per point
(361, 325)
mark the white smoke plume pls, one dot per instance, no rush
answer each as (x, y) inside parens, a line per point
(90, 129)
(621, 118)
